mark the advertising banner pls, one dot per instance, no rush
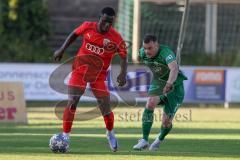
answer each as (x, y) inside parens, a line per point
(12, 103)
(35, 78)
(233, 85)
(204, 84)
(209, 85)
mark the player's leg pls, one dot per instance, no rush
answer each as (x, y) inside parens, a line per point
(108, 116)
(172, 102)
(75, 90)
(165, 129)
(147, 121)
(147, 117)
(102, 95)
(69, 111)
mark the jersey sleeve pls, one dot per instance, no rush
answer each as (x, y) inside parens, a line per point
(168, 56)
(80, 30)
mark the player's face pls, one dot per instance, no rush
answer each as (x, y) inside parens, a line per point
(150, 49)
(105, 22)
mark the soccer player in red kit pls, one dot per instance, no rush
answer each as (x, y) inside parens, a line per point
(100, 43)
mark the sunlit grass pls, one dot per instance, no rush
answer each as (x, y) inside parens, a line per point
(198, 133)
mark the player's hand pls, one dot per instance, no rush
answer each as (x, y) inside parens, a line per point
(58, 54)
(168, 87)
(121, 79)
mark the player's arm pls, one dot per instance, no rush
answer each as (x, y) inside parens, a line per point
(58, 54)
(173, 67)
(70, 39)
(121, 79)
(173, 72)
(123, 64)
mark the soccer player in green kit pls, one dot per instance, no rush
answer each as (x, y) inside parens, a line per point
(166, 89)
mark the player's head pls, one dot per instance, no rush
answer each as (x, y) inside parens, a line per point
(106, 19)
(150, 45)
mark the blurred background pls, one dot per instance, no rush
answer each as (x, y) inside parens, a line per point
(31, 30)
(37, 28)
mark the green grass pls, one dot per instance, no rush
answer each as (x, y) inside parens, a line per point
(198, 133)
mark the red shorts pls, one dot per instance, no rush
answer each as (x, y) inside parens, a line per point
(97, 83)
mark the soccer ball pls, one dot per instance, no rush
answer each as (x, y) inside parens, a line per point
(58, 143)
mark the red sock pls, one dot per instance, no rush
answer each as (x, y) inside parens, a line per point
(109, 121)
(68, 116)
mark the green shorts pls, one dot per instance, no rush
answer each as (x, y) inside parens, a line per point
(172, 100)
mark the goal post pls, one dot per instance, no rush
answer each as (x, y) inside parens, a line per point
(136, 29)
(137, 25)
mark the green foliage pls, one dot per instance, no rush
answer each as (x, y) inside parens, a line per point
(24, 29)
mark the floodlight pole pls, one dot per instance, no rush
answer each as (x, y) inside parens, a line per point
(183, 30)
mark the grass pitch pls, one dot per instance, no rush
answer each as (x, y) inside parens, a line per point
(198, 133)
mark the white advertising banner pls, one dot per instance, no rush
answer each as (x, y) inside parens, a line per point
(233, 85)
(35, 78)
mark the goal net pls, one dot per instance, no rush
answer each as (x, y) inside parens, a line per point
(213, 26)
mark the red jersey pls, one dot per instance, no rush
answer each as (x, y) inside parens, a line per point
(102, 45)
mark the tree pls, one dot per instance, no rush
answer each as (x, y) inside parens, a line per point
(24, 29)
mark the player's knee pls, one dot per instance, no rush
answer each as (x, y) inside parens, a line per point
(105, 112)
(151, 103)
(72, 105)
(73, 102)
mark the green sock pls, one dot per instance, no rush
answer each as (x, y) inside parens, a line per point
(147, 121)
(164, 132)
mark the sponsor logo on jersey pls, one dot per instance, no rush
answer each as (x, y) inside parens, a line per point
(94, 49)
(109, 46)
(170, 57)
(89, 35)
(106, 41)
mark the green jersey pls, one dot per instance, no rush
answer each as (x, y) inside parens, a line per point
(159, 65)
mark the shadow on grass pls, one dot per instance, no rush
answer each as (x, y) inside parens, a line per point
(99, 146)
(50, 129)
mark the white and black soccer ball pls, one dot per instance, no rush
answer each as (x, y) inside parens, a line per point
(58, 143)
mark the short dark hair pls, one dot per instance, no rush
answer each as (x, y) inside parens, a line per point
(108, 10)
(149, 37)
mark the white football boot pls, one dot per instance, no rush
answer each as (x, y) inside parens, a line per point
(155, 145)
(142, 144)
(66, 137)
(112, 140)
